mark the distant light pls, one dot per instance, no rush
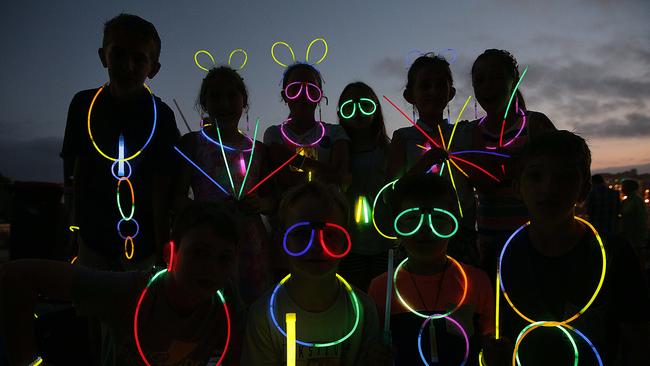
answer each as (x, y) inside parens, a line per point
(647, 200)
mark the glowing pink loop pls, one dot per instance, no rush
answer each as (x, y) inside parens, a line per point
(326, 249)
(475, 166)
(287, 138)
(304, 86)
(522, 113)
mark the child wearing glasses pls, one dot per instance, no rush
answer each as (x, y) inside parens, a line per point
(361, 117)
(428, 282)
(336, 324)
(322, 148)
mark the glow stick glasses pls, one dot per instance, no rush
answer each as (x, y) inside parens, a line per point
(338, 243)
(313, 93)
(413, 222)
(366, 107)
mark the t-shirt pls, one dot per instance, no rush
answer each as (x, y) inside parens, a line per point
(265, 345)
(96, 208)
(166, 337)
(475, 315)
(320, 152)
(555, 288)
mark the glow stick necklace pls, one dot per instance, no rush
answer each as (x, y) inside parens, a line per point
(294, 143)
(353, 299)
(137, 311)
(122, 163)
(550, 323)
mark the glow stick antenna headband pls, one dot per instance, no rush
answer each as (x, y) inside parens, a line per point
(232, 53)
(293, 55)
(137, 312)
(353, 299)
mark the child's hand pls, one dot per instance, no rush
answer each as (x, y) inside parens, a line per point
(380, 355)
(498, 352)
(433, 156)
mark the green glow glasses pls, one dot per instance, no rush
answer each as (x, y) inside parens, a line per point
(366, 106)
(409, 222)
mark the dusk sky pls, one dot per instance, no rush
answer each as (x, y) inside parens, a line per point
(588, 61)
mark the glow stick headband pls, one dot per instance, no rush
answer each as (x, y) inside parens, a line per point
(321, 227)
(293, 90)
(353, 299)
(293, 55)
(412, 55)
(232, 53)
(429, 212)
(369, 110)
(137, 312)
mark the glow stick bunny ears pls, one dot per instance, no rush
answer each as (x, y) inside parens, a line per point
(214, 63)
(293, 55)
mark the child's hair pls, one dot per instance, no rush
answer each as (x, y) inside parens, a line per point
(629, 185)
(508, 62)
(424, 61)
(221, 71)
(378, 125)
(212, 215)
(419, 188)
(329, 196)
(562, 144)
(134, 25)
(301, 66)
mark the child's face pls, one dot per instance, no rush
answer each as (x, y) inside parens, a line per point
(551, 186)
(431, 91)
(492, 85)
(359, 120)
(203, 262)
(224, 102)
(315, 262)
(130, 61)
(424, 245)
(301, 105)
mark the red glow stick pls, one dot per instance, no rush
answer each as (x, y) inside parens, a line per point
(477, 167)
(413, 123)
(272, 173)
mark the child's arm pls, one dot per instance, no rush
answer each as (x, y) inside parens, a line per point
(20, 284)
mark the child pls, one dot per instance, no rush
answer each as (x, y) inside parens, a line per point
(180, 318)
(495, 73)
(223, 97)
(430, 88)
(551, 268)
(327, 308)
(429, 282)
(361, 116)
(323, 147)
(130, 52)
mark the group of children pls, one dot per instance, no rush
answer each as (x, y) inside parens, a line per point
(245, 250)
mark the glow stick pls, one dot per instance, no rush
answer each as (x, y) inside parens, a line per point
(389, 296)
(240, 51)
(120, 164)
(459, 169)
(182, 116)
(250, 158)
(309, 48)
(73, 228)
(457, 120)
(272, 173)
(293, 55)
(477, 167)
(291, 339)
(202, 171)
(450, 319)
(196, 60)
(413, 123)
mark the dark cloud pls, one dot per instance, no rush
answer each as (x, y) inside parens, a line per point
(390, 67)
(32, 160)
(631, 125)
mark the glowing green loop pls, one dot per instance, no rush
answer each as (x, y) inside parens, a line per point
(453, 232)
(374, 106)
(354, 109)
(119, 203)
(417, 228)
(433, 229)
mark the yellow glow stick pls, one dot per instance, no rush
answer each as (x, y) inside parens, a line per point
(457, 120)
(291, 339)
(309, 49)
(444, 147)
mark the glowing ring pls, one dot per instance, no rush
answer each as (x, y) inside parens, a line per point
(353, 299)
(530, 327)
(284, 134)
(286, 235)
(293, 55)
(305, 85)
(374, 106)
(435, 316)
(119, 231)
(137, 311)
(354, 109)
(119, 204)
(128, 249)
(460, 327)
(39, 360)
(433, 229)
(593, 297)
(245, 57)
(326, 249)
(412, 231)
(374, 204)
(153, 129)
(126, 163)
(196, 59)
(309, 49)
(453, 232)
